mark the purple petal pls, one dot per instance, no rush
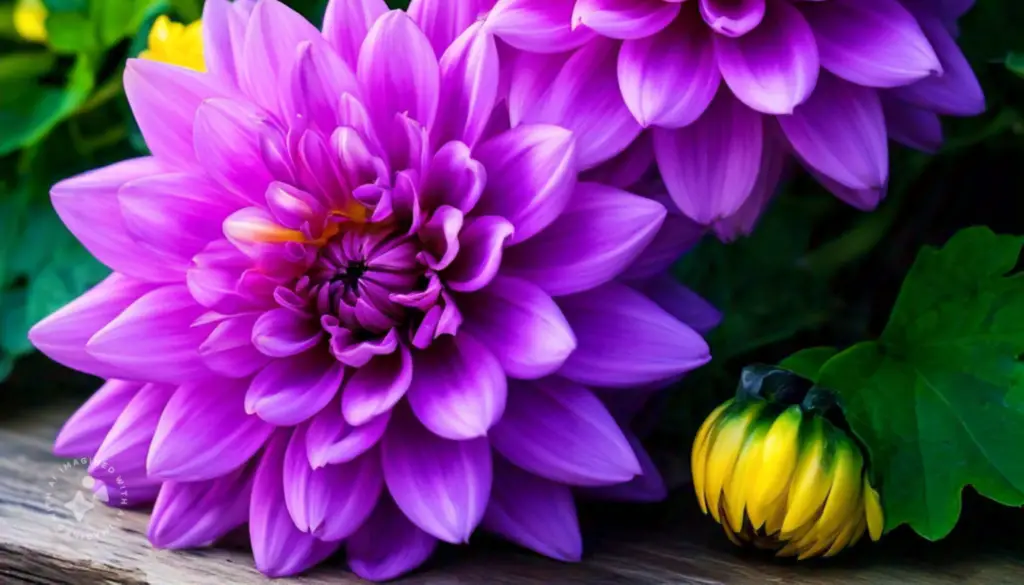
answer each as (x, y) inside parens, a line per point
(774, 159)
(733, 18)
(682, 303)
(912, 126)
(376, 387)
(388, 545)
(291, 390)
(346, 23)
(678, 234)
(482, 244)
(624, 19)
(63, 335)
(668, 79)
(399, 71)
(956, 92)
(283, 333)
(85, 430)
(585, 99)
(317, 78)
(223, 29)
(329, 502)
(204, 432)
(531, 175)
(229, 138)
(533, 512)
(422, 469)
(469, 87)
(125, 446)
(153, 339)
(442, 21)
(529, 77)
(774, 67)
(229, 350)
(539, 26)
(198, 514)
(874, 44)
(710, 167)
(600, 234)
(329, 439)
(272, 37)
(278, 547)
(458, 391)
(625, 339)
(840, 132)
(176, 215)
(164, 100)
(521, 325)
(628, 168)
(454, 178)
(88, 206)
(560, 431)
(648, 486)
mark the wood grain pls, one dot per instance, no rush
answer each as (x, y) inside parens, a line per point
(42, 543)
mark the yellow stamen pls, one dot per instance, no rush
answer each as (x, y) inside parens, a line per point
(30, 20)
(176, 44)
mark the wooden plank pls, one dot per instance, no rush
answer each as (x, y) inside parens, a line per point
(41, 542)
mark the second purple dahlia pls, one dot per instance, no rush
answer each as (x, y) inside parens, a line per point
(352, 309)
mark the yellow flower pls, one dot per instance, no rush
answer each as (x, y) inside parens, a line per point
(783, 479)
(30, 20)
(176, 43)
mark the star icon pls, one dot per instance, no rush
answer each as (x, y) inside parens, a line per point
(80, 506)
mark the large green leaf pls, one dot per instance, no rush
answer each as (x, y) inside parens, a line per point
(939, 398)
(29, 111)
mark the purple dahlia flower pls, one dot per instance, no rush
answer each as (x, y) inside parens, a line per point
(732, 88)
(352, 308)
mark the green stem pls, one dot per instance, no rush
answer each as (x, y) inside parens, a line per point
(106, 92)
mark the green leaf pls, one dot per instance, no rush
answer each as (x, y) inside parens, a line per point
(17, 67)
(116, 19)
(1015, 63)
(29, 111)
(939, 399)
(808, 362)
(14, 323)
(72, 32)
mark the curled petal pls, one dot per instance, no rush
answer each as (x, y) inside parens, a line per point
(482, 243)
(539, 26)
(388, 545)
(197, 514)
(85, 430)
(376, 387)
(330, 439)
(291, 390)
(282, 333)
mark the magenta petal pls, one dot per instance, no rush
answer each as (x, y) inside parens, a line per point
(531, 175)
(198, 514)
(459, 388)
(388, 545)
(540, 26)
(454, 178)
(63, 335)
(422, 469)
(912, 126)
(164, 100)
(204, 432)
(283, 333)
(229, 137)
(469, 87)
(333, 501)
(678, 234)
(317, 78)
(399, 71)
(129, 343)
(733, 18)
(89, 207)
(521, 325)
(585, 99)
(442, 21)
(840, 132)
(125, 446)
(223, 35)
(600, 234)
(710, 167)
(291, 390)
(482, 244)
(559, 430)
(624, 19)
(84, 431)
(377, 386)
(668, 79)
(625, 339)
(682, 303)
(628, 168)
(229, 350)
(774, 67)
(533, 512)
(329, 439)
(346, 23)
(278, 547)
(874, 44)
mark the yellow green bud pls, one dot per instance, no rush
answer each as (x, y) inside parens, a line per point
(784, 478)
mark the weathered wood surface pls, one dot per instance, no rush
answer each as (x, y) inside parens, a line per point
(42, 543)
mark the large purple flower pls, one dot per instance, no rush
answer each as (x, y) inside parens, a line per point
(351, 307)
(732, 87)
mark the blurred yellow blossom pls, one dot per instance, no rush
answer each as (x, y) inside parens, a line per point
(176, 43)
(30, 20)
